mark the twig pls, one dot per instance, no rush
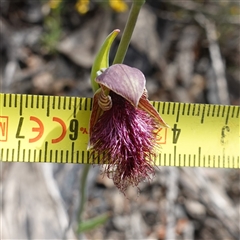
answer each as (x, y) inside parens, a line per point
(217, 62)
(208, 11)
(83, 190)
(212, 196)
(172, 193)
(54, 192)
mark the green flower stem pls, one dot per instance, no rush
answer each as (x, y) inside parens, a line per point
(83, 190)
(128, 31)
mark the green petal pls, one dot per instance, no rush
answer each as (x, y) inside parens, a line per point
(126, 81)
(102, 58)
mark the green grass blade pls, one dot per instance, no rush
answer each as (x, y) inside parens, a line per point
(93, 223)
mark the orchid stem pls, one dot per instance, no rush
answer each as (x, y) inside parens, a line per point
(128, 31)
(83, 190)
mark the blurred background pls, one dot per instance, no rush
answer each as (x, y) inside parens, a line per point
(188, 50)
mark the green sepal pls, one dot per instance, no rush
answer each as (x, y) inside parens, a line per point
(102, 58)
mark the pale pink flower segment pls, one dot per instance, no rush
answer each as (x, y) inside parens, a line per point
(124, 132)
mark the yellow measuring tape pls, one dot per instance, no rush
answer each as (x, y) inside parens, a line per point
(54, 129)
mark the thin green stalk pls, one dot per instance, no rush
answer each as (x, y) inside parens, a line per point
(128, 31)
(83, 190)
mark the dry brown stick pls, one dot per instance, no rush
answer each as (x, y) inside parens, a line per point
(217, 62)
(172, 194)
(196, 182)
(55, 194)
(200, 9)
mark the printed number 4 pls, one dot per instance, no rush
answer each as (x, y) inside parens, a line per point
(176, 133)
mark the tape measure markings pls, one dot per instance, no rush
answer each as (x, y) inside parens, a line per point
(75, 108)
(168, 109)
(15, 102)
(170, 161)
(163, 107)
(203, 114)
(70, 103)
(29, 99)
(230, 114)
(59, 155)
(48, 106)
(173, 108)
(53, 103)
(233, 110)
(37, 102)
(193, 110)
(219, 111)
(227, 115)
(223, 111)
(238, 111)
(179, 113)
(32, 101)
(214, 110)
(51, 100)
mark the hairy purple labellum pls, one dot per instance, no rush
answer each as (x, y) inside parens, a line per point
(123, 126)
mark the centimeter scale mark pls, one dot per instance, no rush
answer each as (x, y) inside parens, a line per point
(197, 160)
(197, 110)
(19, 99)
(75, 156)
(48, 155)
(47, 103)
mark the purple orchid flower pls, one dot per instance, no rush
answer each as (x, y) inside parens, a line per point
(124, 125)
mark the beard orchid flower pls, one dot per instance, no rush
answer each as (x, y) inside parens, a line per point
(123, 126)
